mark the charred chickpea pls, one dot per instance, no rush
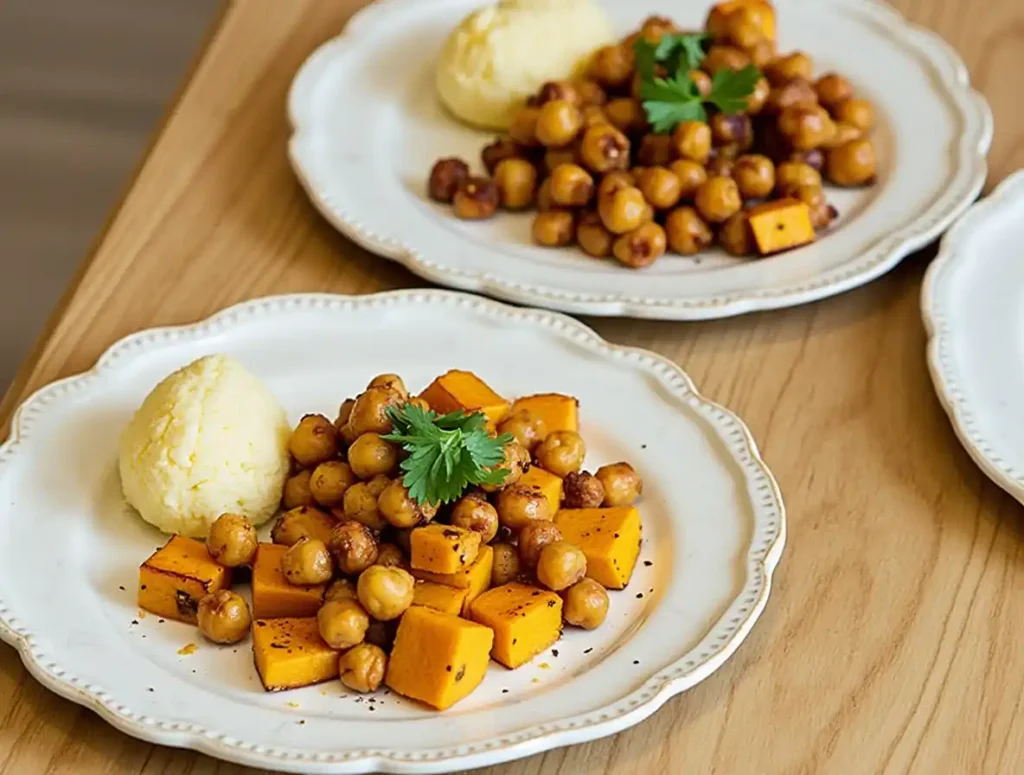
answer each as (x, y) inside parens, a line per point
(523, 129)
(558, 90)
(626, 114)
(702, 81)
(784, 69)
(342, 623)
(593, 238)
(736, 236)
(844, 133)
(533, 538)
(544, 201)
(362, 667)
(732, 130)
(516, 461)
(832, 89)
(687, 233)
(385, 592)
(585, 604)
(473, 512)
(224, 617)
(590, 93)
(718, 199)
(692, 140)
(622, 484)
(806, 127)
(516, 180)
(725, 58)
(859, 113)
(822, 213)
(371, 456)
(622, 211)
(506, 564)
(852, 164)
(790, 174)
(527, 429)
(759, 97)
(307, 562)
(754, 175)
(295, 524)
(296, 490)
(796, 92)
(571, 186)
(691, 175)
(554, 228)
(494, 154)
(445, 178)
(520, 504)
(558, 123)
(360, 504)
(560, 565)
(391, 556)
(656, 151)
(815, 157)
(604, 149)
(612, 66)
(744, 27)
(660, 187)
(561, 452)
(353, 546)
(232, 541)
(582, 491)
(476, 199)
(313, 441)
(398, 508)
(329, 482)
(340, 589)
(370, 413)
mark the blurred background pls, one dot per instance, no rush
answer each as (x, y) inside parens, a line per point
(83, 85)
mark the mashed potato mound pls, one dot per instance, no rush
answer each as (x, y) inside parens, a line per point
(501, 54)
(210, 438)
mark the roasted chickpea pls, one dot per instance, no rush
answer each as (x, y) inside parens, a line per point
(561, 452)
(762, 53)
(560, 565)
(360, 505)
(342, 623)
(473, 512)
(532, 540)
(593, 238)
(642, 246)
(556, 157)
(615, 181)
(476, 199)
(687, 233)
(445, 178)
(732, 130)
(585, 604)
(592, 116)
(656, 151)
(506, 564)
(785, 68)
(722, 161)
(626, 114)
(362, 667)
(822, 213)
(391, 556)
(544, 201)
(344, 412)
(656, 27)
(852, 164)
(702, 81)
(622, 211)
(353, 547)
(612, 66)
(300, 522)
(554, 228)
(754, 176)
(791, 174)
(313, 441)
(369, 415)
(516, 461)
(660, 187)
(296, 490)
(386, 593)
(796, 92)
(815, 157)
(806, 127)
(494, 154)
(392, 381)
(736, 236)
(527, 429)
(590, 93)
(745, 26)
(558, 123)
(371, 456)
(232, 540)
(307, 562)
(571, 186)
(329, 482)
(832, 89)
(523, 129)
(858, 113)
(844, 133)
(520, 504)
(718, 199)
(622, 484)
(340, 589)
(692, 140)
(725, 58)
(582, 491)
(757, 99)
(604, 148)
(558, 90)
(224, 617)
(691, 175)
(399, 509)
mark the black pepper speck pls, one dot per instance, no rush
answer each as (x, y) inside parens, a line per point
(648, 563)
(160, 621)
(554, 652)
(504, 691)
(639, 595)
(636, 661)
(587, 651)
(121, 588)
(135, 621)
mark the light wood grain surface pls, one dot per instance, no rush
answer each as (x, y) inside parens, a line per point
(892, 639)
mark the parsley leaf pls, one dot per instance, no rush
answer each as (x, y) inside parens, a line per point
(730, 89)
(676, 52)
(668, 102)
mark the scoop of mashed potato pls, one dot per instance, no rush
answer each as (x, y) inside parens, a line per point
(501, 54)
(210, 438)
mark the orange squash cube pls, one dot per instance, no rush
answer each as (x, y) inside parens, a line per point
(443, 548)
(526, 620)
(464, 390)
(545, 481)
(440, 597)
(290, 653)
(475, 579)
(781, 225)
(272, 595)
(609, 537)
(558, 412)
(438, 658)
(177, 576)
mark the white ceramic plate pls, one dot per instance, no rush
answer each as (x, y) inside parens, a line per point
(69, 548)
(973, 303)
(368, 128)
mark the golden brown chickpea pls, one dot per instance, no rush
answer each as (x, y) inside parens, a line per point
(353, 546)
(691, 175)
(560, 565)
(571, 186)
(399, 509)
(527, 429)
(329, 482)
(656, 27)
(722, 161)
(344, 412)
(523, 129)
(615, 181)
(759, 97)
(473, 512)
(362, 667)
(582, 491)
(612, 66)
(593, 238)
(702, 81)
(852, 164)
(532, 539)
(386, 593)
(585, 604)
(785, 68)
(313, 441)
(725, 58)
(806, 127)
(791, 174)
(692, 140)
(506, 564)
(626, 114)
(369, 415)
(561, 452)
(445, 178)
(592, 116)
(687, 233)
(360, 505)
(590, 93)
(371, 456)
(762, 53)
(798, 92)
(558, 90)
(558, 123)
(555, 157)
(736, 236)
(622, 484)
(224, 617)
(476, 199)
(622, 211)
(520, 504)
(391, 556)
(822, 213)
(844, 134)
(300, 522)
(734, 130)
(745, 26)
(859, 113)
(340, 589)
(832, 89)
(516, 461)
(232, 540)
(604, 149)
(718, 199)
(554, 228)
(494, 154)
(307, 562)
(545, 203)
(660, 187)
(296, 490)
(392, 381)
(656, 151)
(642, 246)
(754, 176)
(342, 623)
(815, 157)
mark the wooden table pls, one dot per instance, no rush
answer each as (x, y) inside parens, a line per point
(892, 642)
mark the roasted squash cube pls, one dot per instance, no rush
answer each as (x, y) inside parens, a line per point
(558, 412)
(443, 548)
(440, 597)
(781, 225)
(177, 576)
(272, 595)
(438, 658)
(290, 653)
(547, 483)
(526, 620)
(609, 537)
(475, 579)
(464, 390)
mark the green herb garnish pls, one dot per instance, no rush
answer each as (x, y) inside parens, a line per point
(447, 453)
(676, 52)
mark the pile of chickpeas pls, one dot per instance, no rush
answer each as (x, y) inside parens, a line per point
(583, 155)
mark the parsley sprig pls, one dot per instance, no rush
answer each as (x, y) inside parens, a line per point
(447, 453)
